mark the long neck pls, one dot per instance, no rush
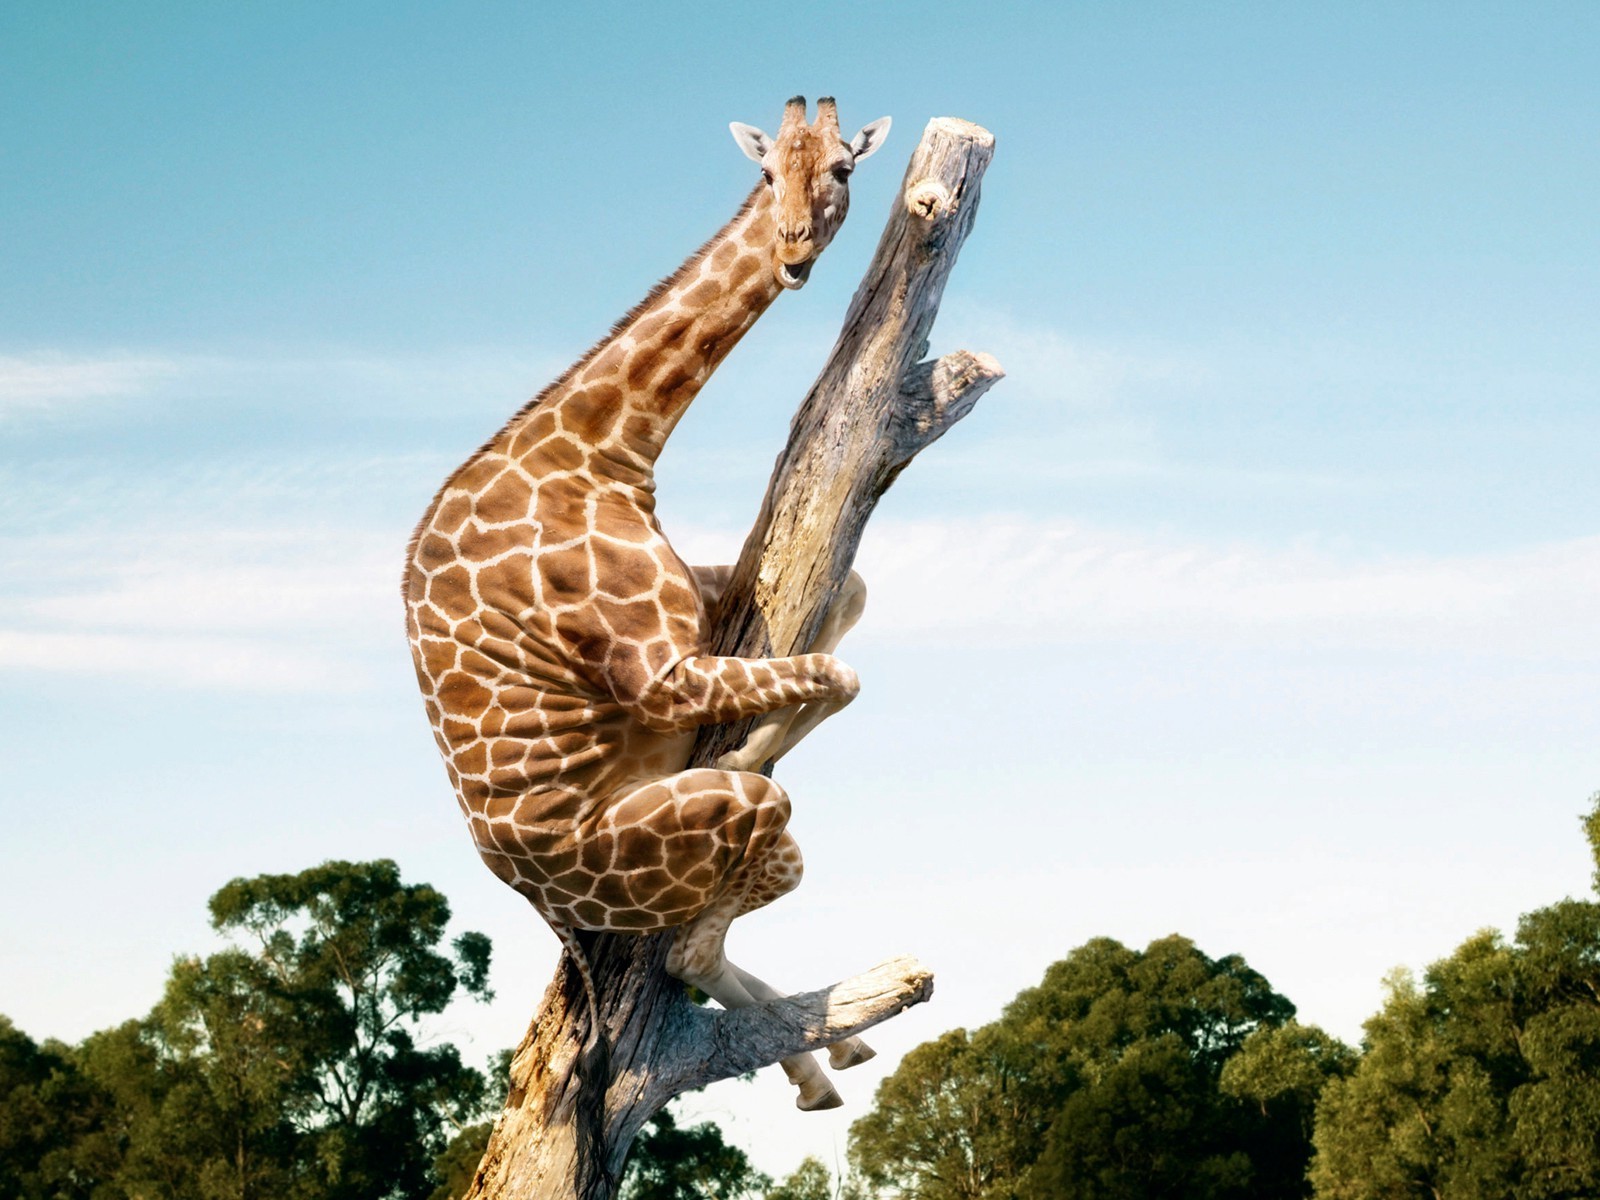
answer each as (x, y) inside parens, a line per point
(627, 394)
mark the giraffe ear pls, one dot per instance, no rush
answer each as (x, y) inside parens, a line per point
(870, 138)
(751, 140)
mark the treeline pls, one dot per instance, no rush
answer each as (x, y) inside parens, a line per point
(1132, 1074)
(292, 1066)
(286, 1067)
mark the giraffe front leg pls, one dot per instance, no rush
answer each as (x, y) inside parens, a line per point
(780, 732)
(713, 690)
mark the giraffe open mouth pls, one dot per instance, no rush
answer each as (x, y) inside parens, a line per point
(793, 275)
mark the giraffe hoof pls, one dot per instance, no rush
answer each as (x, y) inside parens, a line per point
(825, 1099)
(843, 1055)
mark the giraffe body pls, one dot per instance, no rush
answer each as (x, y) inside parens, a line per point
(561, 644)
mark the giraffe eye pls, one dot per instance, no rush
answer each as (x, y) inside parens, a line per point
(766, 174)
(842, 172)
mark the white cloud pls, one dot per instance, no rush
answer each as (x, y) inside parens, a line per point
(1010, 579)
(1058, 581)
(197, 660)
(261, 557)
(292, 609)
(46, 380)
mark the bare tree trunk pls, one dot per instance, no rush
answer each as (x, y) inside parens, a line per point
(572, 1113)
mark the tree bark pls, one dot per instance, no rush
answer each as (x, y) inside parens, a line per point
(573, 1111)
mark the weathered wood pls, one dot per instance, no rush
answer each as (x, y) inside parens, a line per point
(873, 407)
(573, 1112)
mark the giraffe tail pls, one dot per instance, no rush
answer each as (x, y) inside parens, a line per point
(580, 963)
(594, 1061)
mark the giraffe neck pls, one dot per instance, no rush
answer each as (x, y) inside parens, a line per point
(624, 398)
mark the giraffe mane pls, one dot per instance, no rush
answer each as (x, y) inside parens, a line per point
(633, 314)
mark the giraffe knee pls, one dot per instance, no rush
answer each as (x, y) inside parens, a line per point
(770, 809)
(744, 814)
(694, 960)
(779, 874)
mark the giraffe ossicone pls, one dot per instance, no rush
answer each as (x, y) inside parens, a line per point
(562, 646)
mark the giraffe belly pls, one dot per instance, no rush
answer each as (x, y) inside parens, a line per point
(527, 790)
(652, 855)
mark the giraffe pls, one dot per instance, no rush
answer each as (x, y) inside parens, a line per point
(561, 644)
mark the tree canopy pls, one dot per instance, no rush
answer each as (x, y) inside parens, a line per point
(1103, 1081)
(669, 1162)
(291, 1064)
(1483, 1078)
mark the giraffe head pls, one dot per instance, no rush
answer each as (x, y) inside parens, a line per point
(807, 168)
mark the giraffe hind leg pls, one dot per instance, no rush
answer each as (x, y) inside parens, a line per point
(781, 874)
(843, 1054)
(689, 852)
(697, 957)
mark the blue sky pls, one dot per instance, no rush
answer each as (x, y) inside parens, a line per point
(1257, 603)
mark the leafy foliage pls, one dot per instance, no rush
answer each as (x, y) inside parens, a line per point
(1103, 1081)
(457, 1166)
(667, 1162)
(1482, 1080)
(293, 1065)
(57, 1128)
(812, 1180)
(292, 1068)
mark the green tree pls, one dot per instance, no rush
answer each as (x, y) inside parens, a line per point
(457, 1164)
(959, 1115)
(812, 1180)
(1103, 1081)
(667, 1162)
(57, 1128)
(318, 1025)
(233, 1064)
(1482, 1080)
(1555, 1113)
(289, 1066)
(1282, 1070)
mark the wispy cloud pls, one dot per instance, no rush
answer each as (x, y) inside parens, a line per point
(1014, 580)
(1082, 410)
(1058, 581)
(313, 607)
(277, 568)
(290, 609)
(47, 380)
(191, 660)
(52, 379)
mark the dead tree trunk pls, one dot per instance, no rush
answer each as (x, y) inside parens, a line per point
(572, 1114)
